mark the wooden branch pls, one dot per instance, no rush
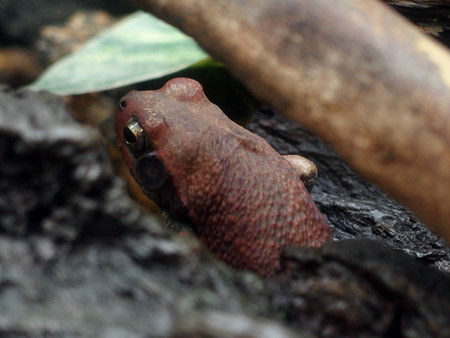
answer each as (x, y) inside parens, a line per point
(358, 75)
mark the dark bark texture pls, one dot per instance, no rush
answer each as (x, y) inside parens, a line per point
(77, 256)
(431, 16)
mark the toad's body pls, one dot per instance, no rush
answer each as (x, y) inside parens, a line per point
(244, 200)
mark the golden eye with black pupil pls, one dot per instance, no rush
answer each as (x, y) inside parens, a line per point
(134, 136)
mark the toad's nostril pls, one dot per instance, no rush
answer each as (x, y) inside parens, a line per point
(123, 104)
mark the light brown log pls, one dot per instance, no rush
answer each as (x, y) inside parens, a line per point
(354, 72)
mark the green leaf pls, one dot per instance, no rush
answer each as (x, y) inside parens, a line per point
(138, 48)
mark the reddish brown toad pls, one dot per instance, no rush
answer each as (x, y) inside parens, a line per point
(243, 199)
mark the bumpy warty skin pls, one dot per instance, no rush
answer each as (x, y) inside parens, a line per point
(244, 200)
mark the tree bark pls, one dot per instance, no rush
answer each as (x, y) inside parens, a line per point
(418, 3)
(430, 16)
(360, 76)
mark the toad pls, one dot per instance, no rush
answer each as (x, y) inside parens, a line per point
(244, 200)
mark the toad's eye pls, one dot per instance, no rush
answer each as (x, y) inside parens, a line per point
(134, 136)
